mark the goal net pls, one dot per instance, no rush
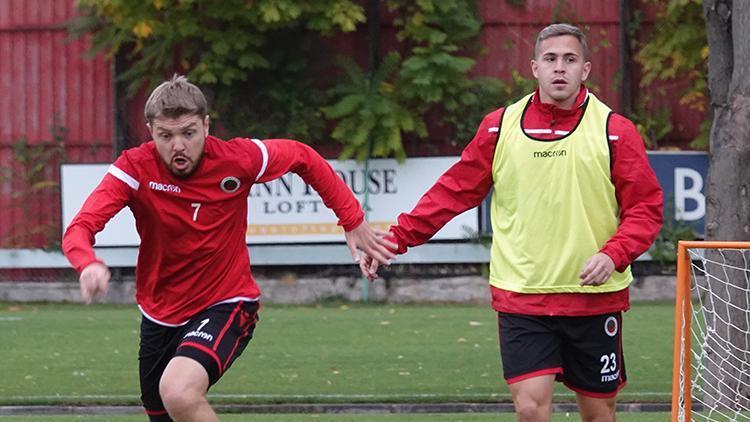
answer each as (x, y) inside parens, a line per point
(712, 332)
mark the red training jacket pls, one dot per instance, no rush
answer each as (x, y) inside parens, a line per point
(467, 183)
(193, 252)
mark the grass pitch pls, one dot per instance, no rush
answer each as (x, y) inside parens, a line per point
(74, 354)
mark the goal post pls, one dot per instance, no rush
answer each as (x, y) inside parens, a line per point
(711, 376)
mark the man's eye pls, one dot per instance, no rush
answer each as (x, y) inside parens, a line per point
(164, 136)
(189, 133)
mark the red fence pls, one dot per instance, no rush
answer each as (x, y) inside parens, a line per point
(508, 37)
(509, 33)
(56, 105)
(47, 83)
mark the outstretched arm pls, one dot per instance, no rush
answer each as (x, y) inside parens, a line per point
(109, 197)
(373, 243)
(285, 155)
(461, 187)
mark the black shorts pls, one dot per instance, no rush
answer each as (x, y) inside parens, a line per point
(584, 352)
(214, 338)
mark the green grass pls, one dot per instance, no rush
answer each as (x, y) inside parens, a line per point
(74, 354)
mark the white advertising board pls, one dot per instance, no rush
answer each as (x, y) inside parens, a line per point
(287, 210)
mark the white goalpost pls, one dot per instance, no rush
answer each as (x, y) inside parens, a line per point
(711, 368)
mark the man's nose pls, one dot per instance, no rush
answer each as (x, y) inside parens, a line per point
(178, 143)
(559, 65)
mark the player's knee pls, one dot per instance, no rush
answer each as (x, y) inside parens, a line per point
(604, 412)
(529, 414)
(178, 397)
(608, 416)
(532, 411)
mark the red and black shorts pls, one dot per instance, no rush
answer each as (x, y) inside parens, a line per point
(585, 353)
(214, 338)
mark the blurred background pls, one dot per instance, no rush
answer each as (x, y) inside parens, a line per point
(356, 79)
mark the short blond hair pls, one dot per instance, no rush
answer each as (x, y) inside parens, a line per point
(174, 98)
(560, 29)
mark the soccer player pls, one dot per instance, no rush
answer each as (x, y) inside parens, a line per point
(574, 203)
(188, 193)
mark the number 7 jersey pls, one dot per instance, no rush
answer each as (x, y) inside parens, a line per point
(193, 252)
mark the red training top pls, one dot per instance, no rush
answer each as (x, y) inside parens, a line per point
(193, 252)
(467, 183)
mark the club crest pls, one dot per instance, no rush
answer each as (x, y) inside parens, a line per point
(611, 326)
(230, 184)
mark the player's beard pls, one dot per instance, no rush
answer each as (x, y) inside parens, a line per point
(182, 166)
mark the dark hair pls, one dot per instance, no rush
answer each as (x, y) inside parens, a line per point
(174, 98)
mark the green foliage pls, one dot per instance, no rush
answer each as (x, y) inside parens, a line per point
(254, 57)
(702, 140)
(214, 41)
(260, 62)
(678, 46)
(32, 173)
(664, 249)
(517, 87)
(490, 94)
(370, 118)
(653, 124)
(434, 72)
(677, 51)
(282, 101)
(439, 37)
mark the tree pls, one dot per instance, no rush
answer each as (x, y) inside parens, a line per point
(266, 68)
(674, 53)
(728, 188)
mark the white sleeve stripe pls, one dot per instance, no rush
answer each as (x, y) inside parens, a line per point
(493, 129)
(538, 131)
(613, 137)
(128, 179)
(264, 152)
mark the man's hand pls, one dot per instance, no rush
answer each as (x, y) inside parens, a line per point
(94, 281)
(597, 270)
(371, 242)
(369, 267)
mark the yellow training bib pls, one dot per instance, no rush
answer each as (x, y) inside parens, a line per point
(553, 205)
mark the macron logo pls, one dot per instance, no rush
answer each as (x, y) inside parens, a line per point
(548, 154)
(164, 187)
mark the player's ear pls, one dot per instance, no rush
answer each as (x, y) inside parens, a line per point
(534, 67)
(206, 121)
(586, 71)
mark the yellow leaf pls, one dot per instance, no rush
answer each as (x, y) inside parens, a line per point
(386, 88)
(159, 4)
(142, 29)
(417, 19)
